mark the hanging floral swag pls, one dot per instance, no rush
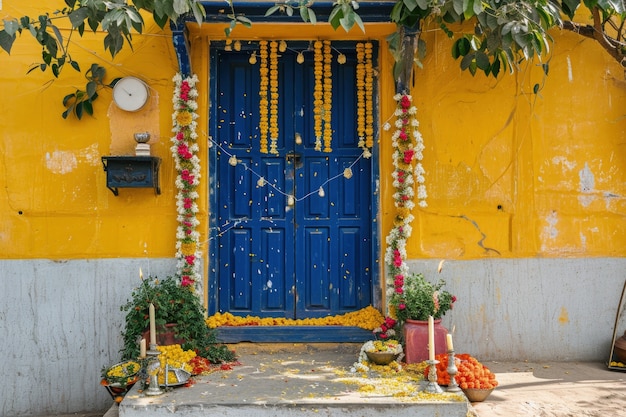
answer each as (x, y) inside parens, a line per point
(407, 145)
(184, 150)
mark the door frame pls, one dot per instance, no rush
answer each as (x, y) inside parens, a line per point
(214, 229)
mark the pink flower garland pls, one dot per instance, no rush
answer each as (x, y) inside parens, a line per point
(407, 151)
(184, 150)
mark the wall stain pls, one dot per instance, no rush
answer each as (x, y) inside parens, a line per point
(564, 316)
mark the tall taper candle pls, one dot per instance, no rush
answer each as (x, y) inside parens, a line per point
(152, 327)
(449, 342)
(431, 338)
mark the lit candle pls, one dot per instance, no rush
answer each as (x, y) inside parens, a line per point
(142, 348)
(152, 327)
(431, 338)
(449, 341)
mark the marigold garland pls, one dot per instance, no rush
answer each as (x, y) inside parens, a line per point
(328, 97)
(364, 81)
(360, 93)
(184, 150)
(318, 93)
(263, 101)
(273, 128)
(369, 102)
(367, 318)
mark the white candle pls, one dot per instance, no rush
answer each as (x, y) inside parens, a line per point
(142, 348)
(449, 341)
(152, 326)
(431, 338)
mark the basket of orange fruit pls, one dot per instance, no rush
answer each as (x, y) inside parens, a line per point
(474, 378)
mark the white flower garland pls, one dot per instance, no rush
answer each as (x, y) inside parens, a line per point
(408, 146)
(184, 150)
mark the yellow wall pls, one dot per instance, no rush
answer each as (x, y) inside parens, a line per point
(54, 200)
(512, 167)
(505, 168)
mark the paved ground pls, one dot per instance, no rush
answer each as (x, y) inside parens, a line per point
(555, 389)
(550, 389)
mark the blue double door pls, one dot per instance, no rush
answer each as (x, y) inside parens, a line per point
(291, 235)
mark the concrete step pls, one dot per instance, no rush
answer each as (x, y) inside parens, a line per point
(287, 379)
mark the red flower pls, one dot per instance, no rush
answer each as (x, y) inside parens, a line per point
(186, 281)
(408, 156)
(389, 322)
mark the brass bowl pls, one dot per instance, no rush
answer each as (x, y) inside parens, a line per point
(142, 137)
(476, 395)
(381, 358)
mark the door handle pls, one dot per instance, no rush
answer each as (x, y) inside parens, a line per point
(294, 158)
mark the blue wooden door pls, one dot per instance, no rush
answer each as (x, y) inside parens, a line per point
(280, 247)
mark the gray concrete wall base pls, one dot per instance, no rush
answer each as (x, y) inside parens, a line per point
(532, 309)
(60, 324)
(60, 321)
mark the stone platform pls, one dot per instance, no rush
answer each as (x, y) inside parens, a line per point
(276, 380)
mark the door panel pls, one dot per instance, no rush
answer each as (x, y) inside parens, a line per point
(314, 257)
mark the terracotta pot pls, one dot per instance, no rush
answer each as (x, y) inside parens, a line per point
(166, 335)
(416, 340)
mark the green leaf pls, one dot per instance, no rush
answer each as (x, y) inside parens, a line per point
(461, 47)
(458, 7)
(6, 41)
(495, 67)
(335, 17)
(312, 16)
(67, 112)
(180, 7)
(274, 9)
(92, 87)
(359, 22)
(198, 12)
(536, 88)
(88, 106)
(78, 110)
(569, 7)
(160, 20)
(11, 26)
(78, 16)
(482, 61)
(67, 99)
(244, 21)
(347, 22)
(467, 61)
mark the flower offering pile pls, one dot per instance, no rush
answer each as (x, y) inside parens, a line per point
(367, 318)
(471, 373)
(121, 374)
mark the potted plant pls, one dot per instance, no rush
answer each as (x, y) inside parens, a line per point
(413, 301)
(175, 305)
